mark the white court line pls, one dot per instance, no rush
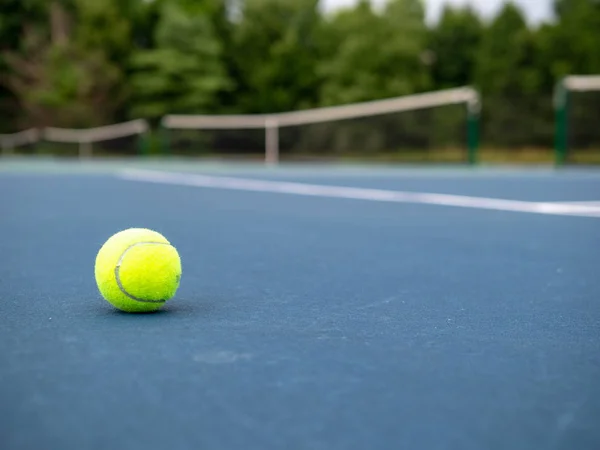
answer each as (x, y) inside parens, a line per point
(379, 195)
(585, 203)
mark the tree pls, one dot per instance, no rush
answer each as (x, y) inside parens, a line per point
(503, 60)
(515, 104)
(17, 17)
(373, 56)
(454, 42)
(575, 39)
(184, 73)
(58, 77)
(275, 48)
(105, 25)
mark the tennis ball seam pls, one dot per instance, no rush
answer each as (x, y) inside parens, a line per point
(118, 268)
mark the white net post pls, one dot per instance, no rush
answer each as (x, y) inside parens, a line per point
(271, 141)
(85, 149)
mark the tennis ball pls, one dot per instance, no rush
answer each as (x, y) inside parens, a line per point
(137, 270)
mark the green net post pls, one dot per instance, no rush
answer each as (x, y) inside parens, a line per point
(561, 106)
(143, 143)
(473, 112)
(163, 140)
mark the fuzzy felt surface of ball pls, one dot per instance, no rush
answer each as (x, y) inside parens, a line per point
(137, 270)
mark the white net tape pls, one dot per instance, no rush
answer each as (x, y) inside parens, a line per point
(91, 135)
(583, 83)
(321, 115)
(26, 137)
(85, 138)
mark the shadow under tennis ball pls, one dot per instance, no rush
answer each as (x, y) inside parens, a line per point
(181, 307)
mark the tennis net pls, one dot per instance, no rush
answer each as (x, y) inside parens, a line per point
(577, 116)
(122, 139)
(439, 125)
(22, 141)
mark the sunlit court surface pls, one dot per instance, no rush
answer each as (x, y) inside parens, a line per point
(320, 307)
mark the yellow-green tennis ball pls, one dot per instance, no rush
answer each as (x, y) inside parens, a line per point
(138, 270)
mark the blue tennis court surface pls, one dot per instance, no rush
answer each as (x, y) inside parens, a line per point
(320, 308)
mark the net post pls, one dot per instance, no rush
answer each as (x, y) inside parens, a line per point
(561, 106)
(85, 149)
(143, 143)
(271, 141)
(7, 148)
(473, 113)
(38, 138)
(163, 137)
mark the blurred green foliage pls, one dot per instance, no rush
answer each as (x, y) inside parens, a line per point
(78, 63)
(375, 55)
(184, 72)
